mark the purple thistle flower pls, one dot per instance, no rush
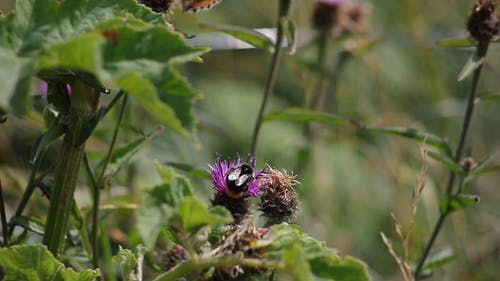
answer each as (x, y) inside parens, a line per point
(220, 170)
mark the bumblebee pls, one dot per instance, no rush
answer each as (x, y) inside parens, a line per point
(238, 179)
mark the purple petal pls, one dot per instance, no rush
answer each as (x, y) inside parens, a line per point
(44, 88)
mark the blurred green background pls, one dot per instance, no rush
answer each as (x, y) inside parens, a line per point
(352, 180)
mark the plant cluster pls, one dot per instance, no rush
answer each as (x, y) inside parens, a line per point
(105, 70)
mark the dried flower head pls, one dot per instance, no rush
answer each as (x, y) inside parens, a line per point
(172, 256)
(279, 200)
(354, 17)
(241, 242)
(483, 22)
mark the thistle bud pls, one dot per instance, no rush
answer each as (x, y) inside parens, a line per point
(483, 22)
(468, 164)
(279, 200)
(238, 207)
(172, 256)
(326, 14)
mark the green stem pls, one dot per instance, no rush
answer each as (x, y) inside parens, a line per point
(107, 265)
(68, 163)
(271, 79)
(312, 101)
(100, 185)
(5, 231)
(28, 191)
(481, 51)
(193, 265)
(77, 220)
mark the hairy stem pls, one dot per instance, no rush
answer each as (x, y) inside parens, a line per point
(61, 199)
(271, 79)
(193, 265)
(481, 50)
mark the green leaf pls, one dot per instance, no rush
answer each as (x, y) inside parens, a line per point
(130, 263)
(36, 263)
(323, 261)
(106, 41)
(145, 93)
(440, 258)
(445, 161)
(160, 203)
(296, 263)
(462, 42)
(30, 223)
(457, 202)
(140, 62)
(249, 36)
(488, 98)
(346, 269)
(122, 156)
(423, 137)
(472, 64)
(304, 115)
(204, 174)
(36, 24)
(40, 145)
(171, 236)
(291, 36)
(192, 215)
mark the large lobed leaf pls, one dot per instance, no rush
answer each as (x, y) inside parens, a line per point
(36, 263)
(121, 44)
(285, 241)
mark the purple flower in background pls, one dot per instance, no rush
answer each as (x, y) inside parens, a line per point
(235, 178)
(44, 88)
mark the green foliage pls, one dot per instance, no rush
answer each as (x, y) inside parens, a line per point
(440, 258)
(121, 156)
(304, 115)
(130, 264)
(445, 161)
(287, 241)
(121, 44)
(462, 42)
(249, 36)
(36, 263)
(416, 135)
(192, 215)
(457, 202)
(160, 203)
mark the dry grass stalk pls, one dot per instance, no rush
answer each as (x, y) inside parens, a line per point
(403, 262)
